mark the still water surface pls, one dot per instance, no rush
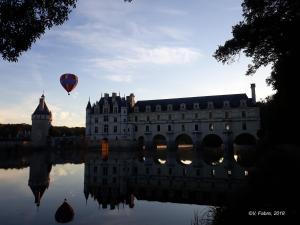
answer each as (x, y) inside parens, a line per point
(34, 185)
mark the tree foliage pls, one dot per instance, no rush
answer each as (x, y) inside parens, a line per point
(269, 35)
(24, 21)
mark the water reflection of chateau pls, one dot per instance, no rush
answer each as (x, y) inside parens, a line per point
(181, 177)
(40, 164)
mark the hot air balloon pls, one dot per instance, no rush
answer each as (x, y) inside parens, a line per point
(68, 81)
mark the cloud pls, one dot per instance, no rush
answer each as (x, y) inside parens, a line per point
(119, 78)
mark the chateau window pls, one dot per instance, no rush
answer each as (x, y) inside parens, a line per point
(211, 127)
(115, 129)
(95, 169)
(136, 109)
(158, 108)
(135, 128)
(243, 103)
(115, 119)
(158, 117)
(105, 171)
(243, 114)
(210, 115)
(147, 128)
(226, 115)
(210, 105)
(124, 120)
(196, 127)
(105, 128)
(170, 107)
(96, 120)
(105, 119)
(158, 171)
(169, 127)
(244, 126)
(170, 171)
(182, 116)
(96, 130)
(114, 170)
(135, 118)
(196, 115)
(158, 127)
(182, 127)
(196, 105)
(148, 118)
(115, 109)
(148, 108)
(182, 106)
(169, 116)
(226, 104)
(147, 170)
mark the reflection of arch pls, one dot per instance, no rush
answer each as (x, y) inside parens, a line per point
(141, 142)
(245, 139)
(213, 149)
(212, 140)
(159, 142)
(184, 141)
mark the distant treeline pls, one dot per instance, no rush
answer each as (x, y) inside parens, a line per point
(23, 131)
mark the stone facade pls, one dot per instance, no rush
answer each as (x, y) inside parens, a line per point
(172, 122)
(41, 122)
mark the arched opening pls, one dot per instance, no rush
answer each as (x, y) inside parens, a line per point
(141, 143)
(184, 142)
(245, 149)
(159, 142)
(213, 152)
(104, 148)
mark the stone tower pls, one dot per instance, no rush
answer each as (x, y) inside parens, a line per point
(41, 122)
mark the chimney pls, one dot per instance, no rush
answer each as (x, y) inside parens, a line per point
(114, 95)
(131, 100)
(253, 93)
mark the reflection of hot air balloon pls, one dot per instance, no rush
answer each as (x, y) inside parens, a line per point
(68, 81)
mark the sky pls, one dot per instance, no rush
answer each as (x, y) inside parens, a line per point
(154, 49)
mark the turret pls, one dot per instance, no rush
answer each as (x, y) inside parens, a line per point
(253, 93)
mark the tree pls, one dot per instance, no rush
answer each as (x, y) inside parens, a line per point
(24, 21)
(269, 35)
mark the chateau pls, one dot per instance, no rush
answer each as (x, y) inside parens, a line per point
(176, 122)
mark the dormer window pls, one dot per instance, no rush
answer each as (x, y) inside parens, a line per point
(148, 108)
(136, 109)
(210, 105)
(226, 104)
(196, 105)
(105, 110)
(182, 106)
(158, 108)
(243, 103)
(115, 110)
(170, 107)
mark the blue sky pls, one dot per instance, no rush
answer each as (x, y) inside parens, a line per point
(154, 49)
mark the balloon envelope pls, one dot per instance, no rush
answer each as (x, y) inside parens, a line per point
(68, 81)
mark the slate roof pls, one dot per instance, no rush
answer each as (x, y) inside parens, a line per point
(42, 111)
(217, 100)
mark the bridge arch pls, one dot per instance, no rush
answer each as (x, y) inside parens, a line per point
(213, 149)
(159, 142)
(141, 142)
(244, 146)
(184, 141)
